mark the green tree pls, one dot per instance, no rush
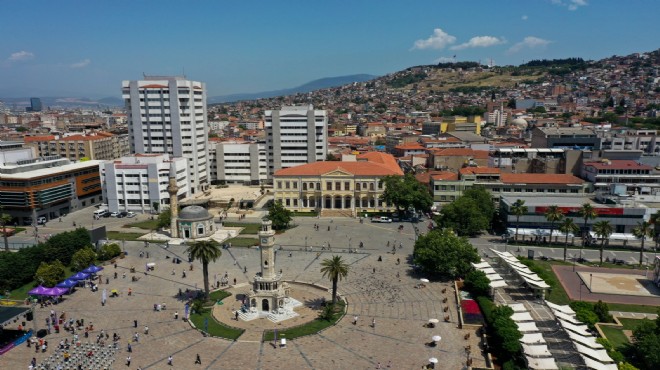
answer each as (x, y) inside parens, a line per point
(602, 310)
(109, 251)
(49, 274)
(463, 216)
(406, 193)
(484, 200)
(567, 226)
(553, 214)
(205, 251)
(477, 283)
(603, 230)
(334, 269)
(587, 212)
(518, 208)
(5, 219)
(280, 216)
(507, 333)
(647, 344)
(62, 246)
(641, 231)
(443, 253)
(165, 218)
(82, 259)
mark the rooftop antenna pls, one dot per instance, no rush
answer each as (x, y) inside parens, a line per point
(183, 69)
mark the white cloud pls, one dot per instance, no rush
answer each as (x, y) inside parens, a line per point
(524, 17)
(439, 40)
(82, 64)
(479, 42)
(570, 4)
(20, 55)
(529, 42)
(444, 60)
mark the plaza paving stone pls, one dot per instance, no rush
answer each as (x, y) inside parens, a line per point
(399, 308)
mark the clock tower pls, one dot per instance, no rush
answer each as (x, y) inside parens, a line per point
(267, 242)
(269, 294)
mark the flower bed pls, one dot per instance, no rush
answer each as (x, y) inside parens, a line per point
(471, 312)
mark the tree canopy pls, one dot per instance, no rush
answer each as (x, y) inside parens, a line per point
(165, 218)
(477, 283)
(82, 259)
(279, 216)
(405, 192)
(443, 253)
(49, 274)
(464, 216)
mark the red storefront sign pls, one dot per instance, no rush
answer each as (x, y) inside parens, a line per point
(576, 210)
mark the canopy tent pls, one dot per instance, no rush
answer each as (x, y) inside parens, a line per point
(481, 265)
(527, 327)
(41, 290)
(517, 307)
(498, 284)
(488, 271)
(595, 365)
(541, 363)
(521, 316)
(599, 355)
(79, 276)
(92, 269)
(565, 308)
(68, 283)
(532, 338)
(568, 318)
(579, 329)
(494, 277)
(587, 341)
(536, 350)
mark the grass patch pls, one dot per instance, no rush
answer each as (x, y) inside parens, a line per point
(116, 235)
(22, 292)
(243, 242)
(146, 225)
(309, 328)
(248, 228)
(304, 214)
(615, 335)
(632, 308)
(215, 328)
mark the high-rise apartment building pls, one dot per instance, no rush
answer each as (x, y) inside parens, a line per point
(168, 115)
(295, 135)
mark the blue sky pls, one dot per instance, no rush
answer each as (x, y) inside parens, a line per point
(86, 48)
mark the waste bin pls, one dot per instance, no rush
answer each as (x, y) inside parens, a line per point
(530, 254)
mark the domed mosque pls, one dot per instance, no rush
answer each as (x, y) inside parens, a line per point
(520, 122)
(194, 222)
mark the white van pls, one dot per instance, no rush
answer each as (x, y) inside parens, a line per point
(100, 212)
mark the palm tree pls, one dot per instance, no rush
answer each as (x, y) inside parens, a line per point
(518, 208)
(642, 230)
(567, 226)
(334, 269)
(603, 230)
(553, 214)
(655, 220)
(205, 251)
(587, 212)
(4, 220)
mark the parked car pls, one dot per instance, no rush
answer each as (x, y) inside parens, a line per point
(114, 214)
(381, 219)
(41, 220)
(106, 214)
(130, 214)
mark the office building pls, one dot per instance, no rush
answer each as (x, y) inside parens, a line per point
(139, 183)
(99, 145)
(239, 163)
(295, 135)
(168, 115)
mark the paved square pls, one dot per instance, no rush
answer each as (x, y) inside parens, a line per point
(380, 290)
(602, 282)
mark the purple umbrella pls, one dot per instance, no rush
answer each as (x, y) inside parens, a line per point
(40, 290)
(92, 269)
(57, 291)
(79, 276)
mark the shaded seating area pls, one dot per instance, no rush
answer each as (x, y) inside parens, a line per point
(496, 281)
(523, 273)
(534, 345)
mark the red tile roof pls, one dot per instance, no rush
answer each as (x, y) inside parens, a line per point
(444, 176)
(539, 178)
(376, 164)
(478, 170)
(30, 139)
(462, 152)
(409, 146)
(618, 164)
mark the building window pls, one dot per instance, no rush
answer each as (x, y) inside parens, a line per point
(287, 185)
(371, 186)
(357, 186)
(279, 184)
(200, 229)
(287, 201)
(295, 184)
(328, 185)
(347, 185)
(304, 186)
(295, 202)
(318, 186)
(337, 185)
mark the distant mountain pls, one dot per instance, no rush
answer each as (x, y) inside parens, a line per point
(66, 102)
(322, 83)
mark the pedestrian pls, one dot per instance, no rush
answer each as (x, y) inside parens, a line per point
(146, 329)
(176, 315)
(378, 366)
(135, 323)
(136, 337)
(355, 319)
(198, 360)
(129, 348)
(128, 361)
(374, 270)
(236, 315)
(234, 281)
(169, 360)
(373, 323)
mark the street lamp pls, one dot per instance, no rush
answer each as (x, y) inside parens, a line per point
(591, 276)
(349, 243)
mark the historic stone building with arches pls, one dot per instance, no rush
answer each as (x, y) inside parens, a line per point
(336, 188)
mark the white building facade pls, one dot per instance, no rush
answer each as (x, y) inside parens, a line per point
(239, 163)
(295, 135)
(139, 183)
(168, 115)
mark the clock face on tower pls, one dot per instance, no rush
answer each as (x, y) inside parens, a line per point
(264, 240)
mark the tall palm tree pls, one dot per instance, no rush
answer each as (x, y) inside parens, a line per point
(518, 208)
(603, 230)
(655, 220)
(553, 214)
(567, 226)
(587, 212)
(205, 251)
(642, 230)
(334, 269)
(4, 220)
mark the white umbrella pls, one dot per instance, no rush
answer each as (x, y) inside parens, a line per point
(434, 321)
(433, 360)
(424, 280)
(436, 338)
